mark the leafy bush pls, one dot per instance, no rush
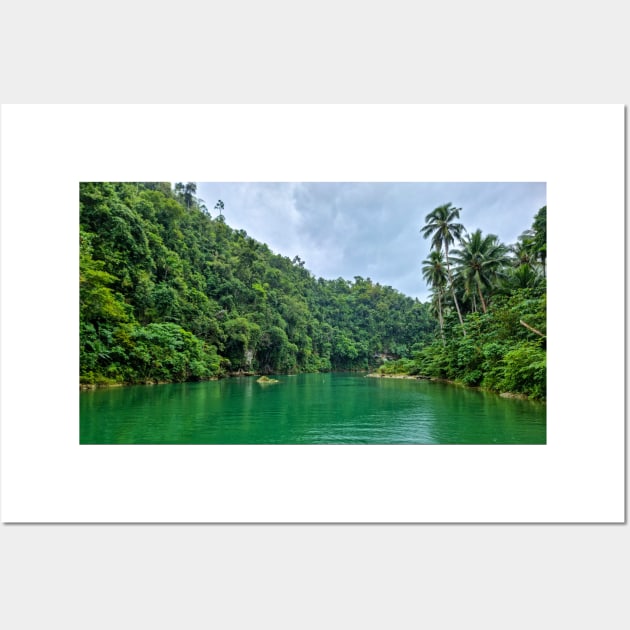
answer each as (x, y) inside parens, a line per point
(525, 370)
(400, 366)
(167, 352)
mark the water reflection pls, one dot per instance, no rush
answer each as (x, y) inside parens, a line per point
(308, 409)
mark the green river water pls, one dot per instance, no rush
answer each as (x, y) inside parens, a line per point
(307, 409)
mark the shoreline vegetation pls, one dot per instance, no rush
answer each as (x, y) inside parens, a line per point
(434, 379)
(170, 293)
(264, 380)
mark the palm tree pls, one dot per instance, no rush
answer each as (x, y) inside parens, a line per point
(443, 230)
(434, 273)
(480, 262)
(523, 277)
(524, 250)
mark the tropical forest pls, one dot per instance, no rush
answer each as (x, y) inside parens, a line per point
(170, 293)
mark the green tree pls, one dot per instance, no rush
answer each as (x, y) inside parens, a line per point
(190, 189)
(220, 206)
(242, 337)
(480, 261)
(435, 274)
(442, 227)
(525, 369)
(524, 276)
(540, 237)
(524, 250)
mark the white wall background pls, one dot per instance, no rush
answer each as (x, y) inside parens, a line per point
(487, 576)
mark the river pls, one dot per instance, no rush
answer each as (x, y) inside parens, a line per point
(307, 409)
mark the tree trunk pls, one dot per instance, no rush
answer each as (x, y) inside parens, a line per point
(450, 278)
(531, 328)
(441, 319)
(483, 303)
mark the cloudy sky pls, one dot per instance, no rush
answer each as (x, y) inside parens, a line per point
(368, 229)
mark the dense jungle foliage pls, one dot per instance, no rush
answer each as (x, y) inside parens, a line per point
(170, 292)
(490, 303)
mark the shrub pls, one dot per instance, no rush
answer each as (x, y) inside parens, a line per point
(525, 370)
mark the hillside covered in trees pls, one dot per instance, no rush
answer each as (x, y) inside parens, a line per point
(170, 292)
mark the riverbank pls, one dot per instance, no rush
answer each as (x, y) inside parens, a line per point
(105, 383)
(409, 377)
(418, 377)
(108, 385)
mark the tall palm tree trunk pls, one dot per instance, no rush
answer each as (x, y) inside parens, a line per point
(483, 303)
(440, 317)
(450, 279)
